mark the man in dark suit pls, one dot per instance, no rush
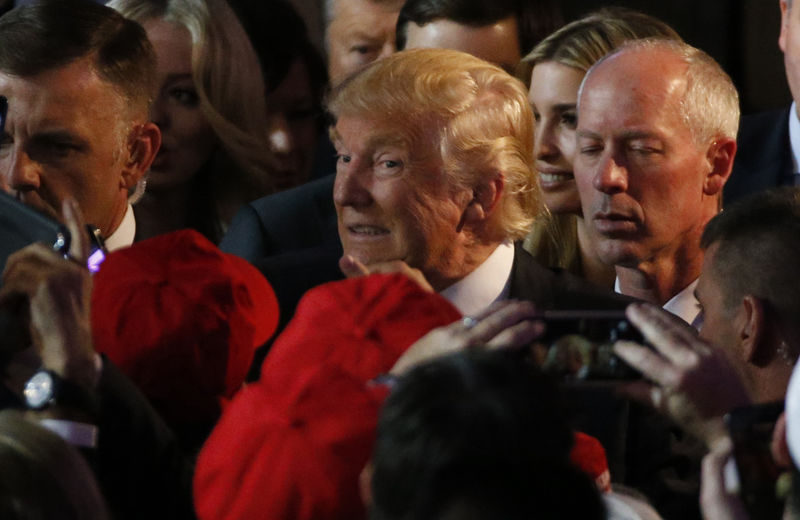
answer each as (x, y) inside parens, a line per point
(766, 156)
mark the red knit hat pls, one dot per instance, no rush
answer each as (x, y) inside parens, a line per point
(362, 325)
(182, 319)
(292, 445)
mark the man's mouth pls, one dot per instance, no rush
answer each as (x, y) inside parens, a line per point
(553, 178)
(367, 230)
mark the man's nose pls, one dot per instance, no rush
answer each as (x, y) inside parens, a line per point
(21, 173)
(611, 175)
(351, 188)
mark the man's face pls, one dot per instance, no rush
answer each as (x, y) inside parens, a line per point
(640, 174)
(497, 43)
(718, 320)
(360, 32)
(789, 42)
(392, 199)
(65, 137)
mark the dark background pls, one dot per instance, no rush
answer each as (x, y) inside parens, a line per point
(742, 35)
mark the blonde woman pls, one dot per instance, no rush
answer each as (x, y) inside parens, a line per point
(211, 109)
(553, 70)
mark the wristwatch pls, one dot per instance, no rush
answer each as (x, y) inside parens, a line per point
(46, 388)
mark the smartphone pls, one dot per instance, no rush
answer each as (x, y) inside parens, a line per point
(751, 429)
(22, 225)
(578, 345)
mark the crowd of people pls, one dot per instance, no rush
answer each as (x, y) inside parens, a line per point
(330, 293)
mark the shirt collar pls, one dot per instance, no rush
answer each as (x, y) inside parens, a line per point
(794, 137)
(683, 305)
(485, 285)
(123, 235)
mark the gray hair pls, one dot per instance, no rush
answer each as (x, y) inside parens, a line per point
(710, 104)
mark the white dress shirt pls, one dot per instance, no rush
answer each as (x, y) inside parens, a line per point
(683, 305)
(485, 285)
(124, 234)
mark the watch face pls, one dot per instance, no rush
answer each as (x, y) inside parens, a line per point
(39, 390)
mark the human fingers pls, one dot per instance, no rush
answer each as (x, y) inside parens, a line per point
(675, 339)
(79, 238)
(497, 319)
(519, 335)
(652, 365)
(351, 267)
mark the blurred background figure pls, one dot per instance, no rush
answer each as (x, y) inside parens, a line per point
(211, 109)
(295, 78)
(553, 70)
(41, 476)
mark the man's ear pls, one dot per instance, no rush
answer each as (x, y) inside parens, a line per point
(751, 324)
(784, 25)
(485, 197)
(720, 157)
(142, 147)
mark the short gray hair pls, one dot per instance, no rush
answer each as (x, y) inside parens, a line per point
(710, 104)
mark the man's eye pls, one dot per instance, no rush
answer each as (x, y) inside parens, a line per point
(590, 150)
(569, 119)
(185, 96)
(343, 158)
(363, 50)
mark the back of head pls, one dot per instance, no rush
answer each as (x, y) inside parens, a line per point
(478, 114)
(477, 435)
(580, 44)
(710, 102)
(42, 477)
(50, 34)
(758, 244)
(535, 18)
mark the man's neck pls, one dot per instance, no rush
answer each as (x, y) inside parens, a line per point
(658, 282)
(768, 384)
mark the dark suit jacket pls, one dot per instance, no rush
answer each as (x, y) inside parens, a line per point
(763, 156)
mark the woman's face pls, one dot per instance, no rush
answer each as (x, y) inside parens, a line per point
(293, 126)
(187, 139)
(553, 96)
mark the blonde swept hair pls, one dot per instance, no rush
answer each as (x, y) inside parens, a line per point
(479, 115)
(553, 239)
(229, 82)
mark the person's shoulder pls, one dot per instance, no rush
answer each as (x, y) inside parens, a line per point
(316, 193)
(765, 125)
(554, 288)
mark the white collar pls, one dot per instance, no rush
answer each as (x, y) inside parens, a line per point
(794, 137)
(125, 232)
(683, 305)
(485, 285)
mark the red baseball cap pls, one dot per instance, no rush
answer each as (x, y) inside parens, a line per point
(182, 319)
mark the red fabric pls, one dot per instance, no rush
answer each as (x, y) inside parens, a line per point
(590, 457)
(362, 325)
(292, 445)
(182, 319)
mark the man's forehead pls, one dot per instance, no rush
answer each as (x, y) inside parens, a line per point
(368, 16)
(370, 133)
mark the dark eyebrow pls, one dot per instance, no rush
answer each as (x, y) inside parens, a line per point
(563, 107)
(587, 134)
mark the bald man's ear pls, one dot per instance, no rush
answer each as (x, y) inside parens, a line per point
(142, 146)
(485, 197)
(720, 158)
(751, 322)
